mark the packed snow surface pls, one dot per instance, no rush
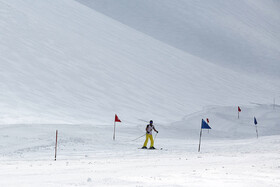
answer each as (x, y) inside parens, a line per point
(72, 65)
(231, 154)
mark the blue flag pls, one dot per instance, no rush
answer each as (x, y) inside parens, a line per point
(255, 121)
(205, 125)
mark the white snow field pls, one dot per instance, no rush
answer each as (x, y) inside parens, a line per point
(231, 155)
(241, 35)
(72, 65)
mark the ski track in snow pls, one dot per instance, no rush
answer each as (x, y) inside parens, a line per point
(87, 155)
(67, 67)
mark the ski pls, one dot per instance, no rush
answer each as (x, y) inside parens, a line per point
(153, 149)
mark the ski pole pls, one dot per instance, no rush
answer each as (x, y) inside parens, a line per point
(155, 136)
(139, 137)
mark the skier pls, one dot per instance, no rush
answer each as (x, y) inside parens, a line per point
(150, 127)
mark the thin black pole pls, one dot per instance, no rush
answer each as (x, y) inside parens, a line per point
(257, 131)
(274, 103)
(200, 140)
(139, 137)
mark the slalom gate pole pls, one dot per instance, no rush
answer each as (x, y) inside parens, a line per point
(139, 137)
(114, 136)
(200, 140)
(238, 114)
(55, 145)
(274, 103)
(257, 132)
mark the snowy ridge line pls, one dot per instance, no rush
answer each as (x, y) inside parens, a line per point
(243, 36)
(67, 67)
(81, 68)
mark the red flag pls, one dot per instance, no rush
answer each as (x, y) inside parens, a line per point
(239, 109)
(207, 120)
(117, 118)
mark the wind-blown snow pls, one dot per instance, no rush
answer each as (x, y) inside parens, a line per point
(243, 35)
(68, 66)
(64, 62)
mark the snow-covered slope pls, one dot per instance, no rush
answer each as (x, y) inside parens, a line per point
(231, 155)
(62, 62)
(67, 67)
(243, 35)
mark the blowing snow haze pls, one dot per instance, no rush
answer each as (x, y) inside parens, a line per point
(83, 61)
